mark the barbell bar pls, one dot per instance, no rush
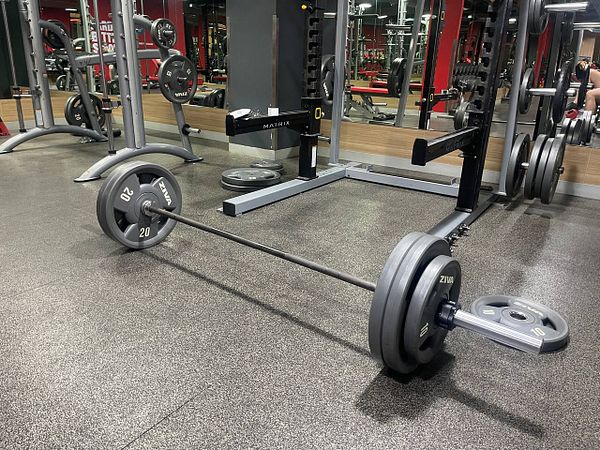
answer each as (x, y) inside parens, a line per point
(415, 301)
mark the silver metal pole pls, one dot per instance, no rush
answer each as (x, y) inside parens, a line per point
(122, 69)
(28, 50)
(497, 332)
(566, 7)
(339, 82)
(133, 66)
(419, 7)
(513, 107)
(87, 44)
(103, 85)
(32, 10)
(11, 61)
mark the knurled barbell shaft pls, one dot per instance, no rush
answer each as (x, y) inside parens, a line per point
(266, 249)
(498, 332)
(566, 7)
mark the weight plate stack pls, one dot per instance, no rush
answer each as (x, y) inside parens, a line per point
(534, 161)
(249, 179)
(553, 169)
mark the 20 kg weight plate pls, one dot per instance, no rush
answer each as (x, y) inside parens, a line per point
(251, 177)
(539, 171)
(163, 33)
(440, 282)
(553, 169)
(119, 204)
(526, 317)
(177, 79)
(516, 171)
(76, 114)
(534, 161)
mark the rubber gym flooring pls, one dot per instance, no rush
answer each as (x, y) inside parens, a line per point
(202, 343)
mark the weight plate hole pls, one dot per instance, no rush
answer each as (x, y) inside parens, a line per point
(517, 315)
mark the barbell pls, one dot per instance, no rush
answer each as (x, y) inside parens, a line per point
(415, 300)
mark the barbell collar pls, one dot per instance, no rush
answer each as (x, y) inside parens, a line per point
(566, 7)
(497, 332)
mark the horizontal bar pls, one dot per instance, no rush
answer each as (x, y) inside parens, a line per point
(266, 249)
(249, 124)
(586, 25)
(567, 7)
(498, 332)
(427, 150)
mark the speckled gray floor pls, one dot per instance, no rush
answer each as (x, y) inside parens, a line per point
(201, 343)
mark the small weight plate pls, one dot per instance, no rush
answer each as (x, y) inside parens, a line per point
(177, 79)
(251, 177)
(525, 316)
(524, 95)
(61, 82)
(268, 164)
(516, 172)
(576, 131)
(539, 171)
(327, 78)
(163, 33)
(396, 77)
(534, 161)
(409, 273)
(553, 169)
(461, 115)
(382, 293)
(440, 282)
(120, 200)
(586, 118)
(236, 188)
(76, 114)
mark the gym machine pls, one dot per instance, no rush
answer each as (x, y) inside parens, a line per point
(415, 300)
(178, 82)
(39, 90)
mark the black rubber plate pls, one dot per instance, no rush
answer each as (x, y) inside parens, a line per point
(539, 171)
(119, 204)
(534, 160)
(525, 316)
(440, 282)
(251, 177)
(516, 171)
(553, 170)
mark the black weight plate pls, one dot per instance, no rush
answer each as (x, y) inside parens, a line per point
(409, 273)
(516, 171)
(559, 101)
(538, 17)
(382, 292)
(51, 38)
(268, 164)
(177, 79)
(461, 115)
(163, 33)
(74, 111)
(439, 283)
(534, 161)
(525, 316)
(396, 77)
(553, 170)
(236, 188)
(119, 204)
(61, 82)
(251, 177)
(539, 171)
(327, 78)
(576, 131)
(524, 95)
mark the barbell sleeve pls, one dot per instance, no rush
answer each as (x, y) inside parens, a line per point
(549, 92)
(566, 7)
(498, 332)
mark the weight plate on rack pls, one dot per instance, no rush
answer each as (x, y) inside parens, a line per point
(576, 131)
(539, 171)
(396, 77)
(524, 95)
(526, 317)
(537, 18)
(119, 204)
(251, 177)
(177, 79)
(61, 82)
(424, 250)
(327, 78)
(268, 164)
(516, 171)
(461, 115)
(163, 33)
(51, 38)
(553, 169)
(76, 115)
(440, 282)
(534, 161)
(559, 101)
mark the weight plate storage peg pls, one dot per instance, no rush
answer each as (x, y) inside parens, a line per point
(163, 33)
(516, 164)
(525, 316)
(177, 79)
(120, 204)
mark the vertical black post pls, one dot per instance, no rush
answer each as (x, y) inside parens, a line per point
(484, 99)
(428, 89)
(311, 101)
